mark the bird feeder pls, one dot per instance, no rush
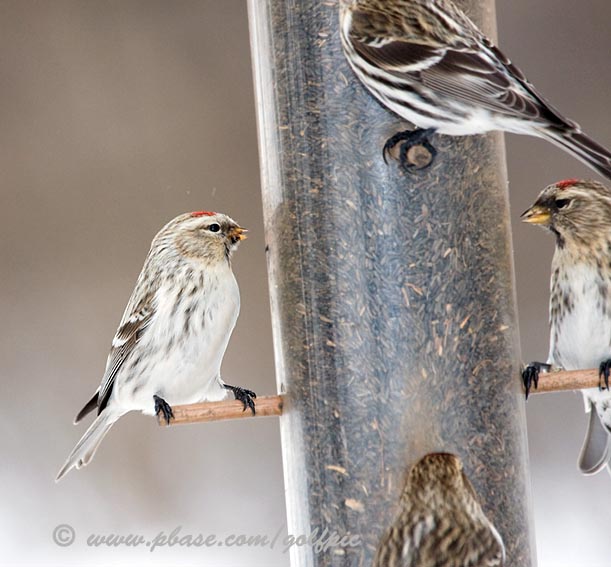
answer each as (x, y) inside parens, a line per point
(392, 293)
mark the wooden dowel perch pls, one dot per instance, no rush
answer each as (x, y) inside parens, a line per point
(267, 406)
(566, 380)
(226, 409)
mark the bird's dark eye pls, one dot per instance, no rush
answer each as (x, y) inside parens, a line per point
(214, 227)
(561, 203)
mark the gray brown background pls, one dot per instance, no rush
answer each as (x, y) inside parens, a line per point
(116, 116)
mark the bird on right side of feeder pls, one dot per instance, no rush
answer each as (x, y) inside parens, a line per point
(578, 214)
(427, 62)
(440, 522)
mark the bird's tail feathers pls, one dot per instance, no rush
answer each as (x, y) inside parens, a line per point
(582, 147)
(85, 449)
(88, 407)
(595, 451)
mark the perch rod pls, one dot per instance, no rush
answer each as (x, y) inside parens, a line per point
(225, 409)
(267, 406)
(566, 380)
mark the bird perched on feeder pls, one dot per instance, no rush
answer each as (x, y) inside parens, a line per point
(440, 522)
(173, 335)
(578, 213)
(427, 61)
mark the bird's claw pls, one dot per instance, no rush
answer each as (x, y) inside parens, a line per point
(410, 139)
(530, 375)
(603, 374)
(161, 406)
(243, 395)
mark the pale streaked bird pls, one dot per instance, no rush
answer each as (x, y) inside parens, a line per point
(578, 214)
(173, 335)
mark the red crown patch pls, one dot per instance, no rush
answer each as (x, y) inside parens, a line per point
(203, 214)
(566, 183)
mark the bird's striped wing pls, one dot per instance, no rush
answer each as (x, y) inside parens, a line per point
(459, 546)
(401, 545)
(398, 57)
(488, 549)
(476, 75)
(129, 333)
(487, 542)
(452, 58)
(443, 541)
(482, 75)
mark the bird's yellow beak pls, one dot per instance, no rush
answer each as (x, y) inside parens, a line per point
(237, 233)
(537, 215)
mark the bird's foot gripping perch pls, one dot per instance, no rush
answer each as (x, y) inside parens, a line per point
(530, 375)
(603, 374)
(161, 406)
(247, 397)
(409, 139)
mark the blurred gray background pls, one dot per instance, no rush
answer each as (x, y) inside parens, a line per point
(118, 115)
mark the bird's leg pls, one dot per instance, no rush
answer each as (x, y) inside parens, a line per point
(530, 374)
(408, 140)
(161, 406)
(603, 373)
(243, 395)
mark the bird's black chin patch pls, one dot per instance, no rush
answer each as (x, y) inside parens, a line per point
(559, 237)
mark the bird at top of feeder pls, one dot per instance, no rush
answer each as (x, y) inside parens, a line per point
(427, 61)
